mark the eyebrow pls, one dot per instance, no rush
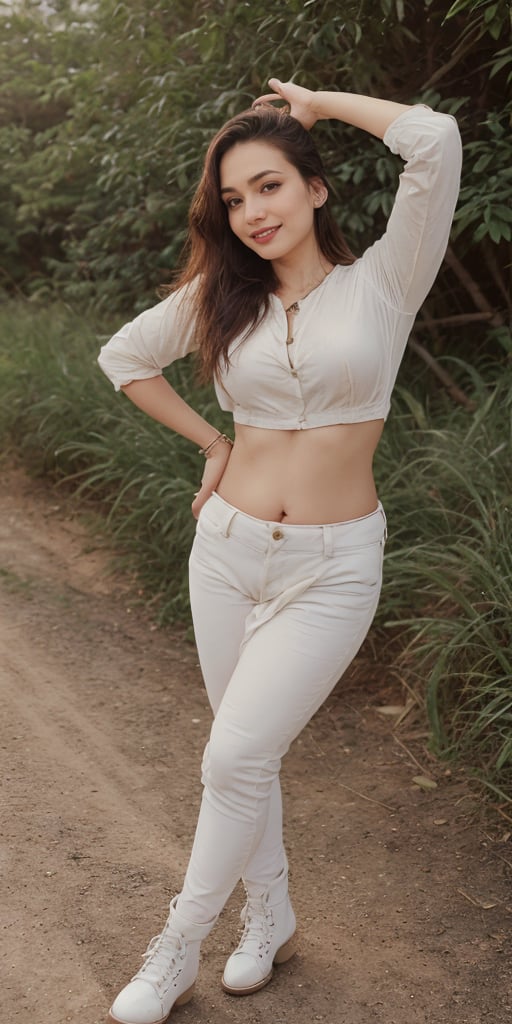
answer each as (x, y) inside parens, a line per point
(250, 181)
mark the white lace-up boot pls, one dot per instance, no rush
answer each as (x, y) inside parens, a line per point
(268, 937)
(167, 977)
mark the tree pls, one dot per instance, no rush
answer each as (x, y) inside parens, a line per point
(105, 112)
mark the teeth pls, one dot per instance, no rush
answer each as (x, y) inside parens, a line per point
(263, 234)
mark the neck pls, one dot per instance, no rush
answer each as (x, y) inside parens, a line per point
(297, 279)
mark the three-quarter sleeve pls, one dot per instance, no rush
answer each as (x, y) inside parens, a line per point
(403, 264)
(157, 337)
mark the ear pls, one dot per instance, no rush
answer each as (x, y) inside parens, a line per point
(319, 192)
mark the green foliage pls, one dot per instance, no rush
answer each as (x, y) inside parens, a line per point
(448, 582)
(106, 110)
(443, 475)
(488, 212)
(492, 16)
(61, 414)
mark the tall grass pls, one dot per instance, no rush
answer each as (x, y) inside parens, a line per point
(448, 582)
(63, 417)
(444, 476)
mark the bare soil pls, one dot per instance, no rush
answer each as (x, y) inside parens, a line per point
(402, 893)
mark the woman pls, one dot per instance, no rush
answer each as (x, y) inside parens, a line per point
(304, 344)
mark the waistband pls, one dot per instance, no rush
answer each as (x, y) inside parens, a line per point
(326, 537)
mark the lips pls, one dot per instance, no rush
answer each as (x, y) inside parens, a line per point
(266, 234)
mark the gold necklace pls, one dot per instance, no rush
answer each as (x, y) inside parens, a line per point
(294, 306)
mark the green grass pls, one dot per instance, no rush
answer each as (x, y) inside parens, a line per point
(15, 583)
(446, 480)
(63, 417)
(443, 473)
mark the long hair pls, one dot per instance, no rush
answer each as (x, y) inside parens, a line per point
(232, 283)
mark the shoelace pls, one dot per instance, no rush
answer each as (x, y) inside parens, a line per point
(258, 922)
(162, 956)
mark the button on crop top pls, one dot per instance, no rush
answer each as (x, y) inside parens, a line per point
(350, 332)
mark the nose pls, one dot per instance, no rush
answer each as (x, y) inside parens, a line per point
(254, 209)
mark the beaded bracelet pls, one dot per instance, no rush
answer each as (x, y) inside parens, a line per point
(220, 437)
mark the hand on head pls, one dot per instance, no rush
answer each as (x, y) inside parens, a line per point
(299, 100)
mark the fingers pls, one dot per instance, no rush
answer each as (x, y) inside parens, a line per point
(200, 499)
(269, 97)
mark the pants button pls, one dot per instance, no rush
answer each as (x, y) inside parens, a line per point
(278, 535)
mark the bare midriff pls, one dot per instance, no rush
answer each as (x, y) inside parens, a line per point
(319, 475)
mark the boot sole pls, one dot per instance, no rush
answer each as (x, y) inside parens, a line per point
(180, 1001)
(284, 953)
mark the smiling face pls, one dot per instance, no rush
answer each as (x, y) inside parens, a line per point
(270, 205)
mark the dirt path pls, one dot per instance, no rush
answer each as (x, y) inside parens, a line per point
(401, 893)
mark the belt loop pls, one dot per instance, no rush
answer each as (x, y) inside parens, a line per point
(328, 541)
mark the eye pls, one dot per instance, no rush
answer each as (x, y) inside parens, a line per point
(269, 186)
(231, 204)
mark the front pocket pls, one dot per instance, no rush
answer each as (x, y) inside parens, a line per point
(206, 526)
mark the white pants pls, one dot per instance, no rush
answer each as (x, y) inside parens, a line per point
(279, 612)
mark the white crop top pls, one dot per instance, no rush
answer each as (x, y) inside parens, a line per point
(350, 332)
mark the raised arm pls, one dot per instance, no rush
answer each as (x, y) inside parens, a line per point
(402, 264)
(366, 112)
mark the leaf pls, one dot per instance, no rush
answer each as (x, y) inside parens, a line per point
(483, 162)
(496, 231)
(490, 12)
(391, 709)
(456, 7)
(424, 783)
(415, 407)
(499, 64)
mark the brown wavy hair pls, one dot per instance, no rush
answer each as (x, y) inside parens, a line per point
(232, 283)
